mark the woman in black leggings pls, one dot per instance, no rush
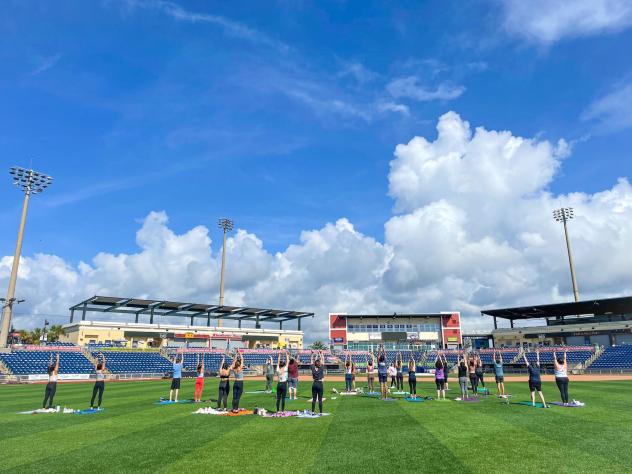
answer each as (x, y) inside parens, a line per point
(560, 367)
(224, 385)
(479, 371)
(471, 367)
(412, 377)
(400, 374)
(51, 386)
(318, 374)
(99, 384)
(282, 384)
(238, 384)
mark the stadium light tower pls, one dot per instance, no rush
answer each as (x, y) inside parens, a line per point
(563, 215)
(227, 225)
(31, 182)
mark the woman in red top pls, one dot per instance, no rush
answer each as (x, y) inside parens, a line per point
(292, 370)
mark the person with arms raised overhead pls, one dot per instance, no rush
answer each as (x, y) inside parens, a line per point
(199, 379)
(224, 385)
(535, 381)
(370, 372)
(561, 376)
(237, 369)
(51, 386)
(99, 384)
(382, 372)
(176, 377)
(282, 381)
(500, 374)
(318, 375)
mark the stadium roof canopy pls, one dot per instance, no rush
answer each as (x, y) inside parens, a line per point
(153, 308)
(610, 306)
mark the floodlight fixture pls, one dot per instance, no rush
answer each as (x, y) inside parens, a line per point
(30, 182)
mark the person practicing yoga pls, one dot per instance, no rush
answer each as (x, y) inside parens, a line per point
(471, 368)
(224, 385)
(392, 373)
(269, 371)
(199, 379)
(238, 385)
(354, 371)
(500, 374)
(292, 370)
(399, 378)
(178, 361)
(99, 384)
(382, 372)
(412, 377)
(370, 372)
(51, 386)
(348, 373)
(318, 374)
(479, 372)
(446, 370)
(440, 378)
(535, 381)
(462, 364)
(560, 367)
(281, 389)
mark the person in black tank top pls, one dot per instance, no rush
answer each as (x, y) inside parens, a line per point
(318, 374)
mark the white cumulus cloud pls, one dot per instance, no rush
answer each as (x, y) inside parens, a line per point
(548, 21)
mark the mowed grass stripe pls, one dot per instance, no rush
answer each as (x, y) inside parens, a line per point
(171, 438)
(367, 435)
(485, 427)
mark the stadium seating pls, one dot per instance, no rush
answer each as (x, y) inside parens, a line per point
(615, 357)
(36, 362)
(120, 362)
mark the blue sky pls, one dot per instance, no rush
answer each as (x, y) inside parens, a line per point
(284, 115)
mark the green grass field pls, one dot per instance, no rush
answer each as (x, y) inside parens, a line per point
(361, 435)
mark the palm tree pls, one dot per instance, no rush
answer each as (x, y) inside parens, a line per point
(35, 335)
(318, 346)
(25, 337)
(55, 331)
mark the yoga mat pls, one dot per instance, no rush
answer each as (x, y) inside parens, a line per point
(258, 391)
(414, 400)
(399, 393)
(470, 400)
(312, 415)
(39, 411)
(528, 404)
(347, 393)
(89, 411)
(568, 405)
(389, 399)
(168, 402)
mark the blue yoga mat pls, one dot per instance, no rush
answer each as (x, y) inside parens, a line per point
(414, 400)
(89, 411)
(528, 404)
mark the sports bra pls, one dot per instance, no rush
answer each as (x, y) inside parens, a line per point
(100, 375)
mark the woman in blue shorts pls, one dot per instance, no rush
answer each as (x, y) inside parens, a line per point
(382, 372)
(535, 381)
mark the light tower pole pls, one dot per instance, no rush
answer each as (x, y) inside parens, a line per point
(563, 215)
(31, 182)
(227, 225)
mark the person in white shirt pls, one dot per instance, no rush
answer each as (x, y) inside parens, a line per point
(282, 380)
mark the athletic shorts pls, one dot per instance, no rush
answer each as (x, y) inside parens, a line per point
(383, 378)
(293, 383)
(533, 386)
(175, 384)
(440, 384)
(500, 379)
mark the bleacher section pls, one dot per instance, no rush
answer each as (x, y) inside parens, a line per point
(34, 359)
(36, 362)
(122, 362)
(615, 357)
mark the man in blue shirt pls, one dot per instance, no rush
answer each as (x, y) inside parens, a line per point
(500, 374)
(177, 375)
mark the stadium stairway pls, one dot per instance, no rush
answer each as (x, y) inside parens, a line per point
(4, 369)
(593, 358)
